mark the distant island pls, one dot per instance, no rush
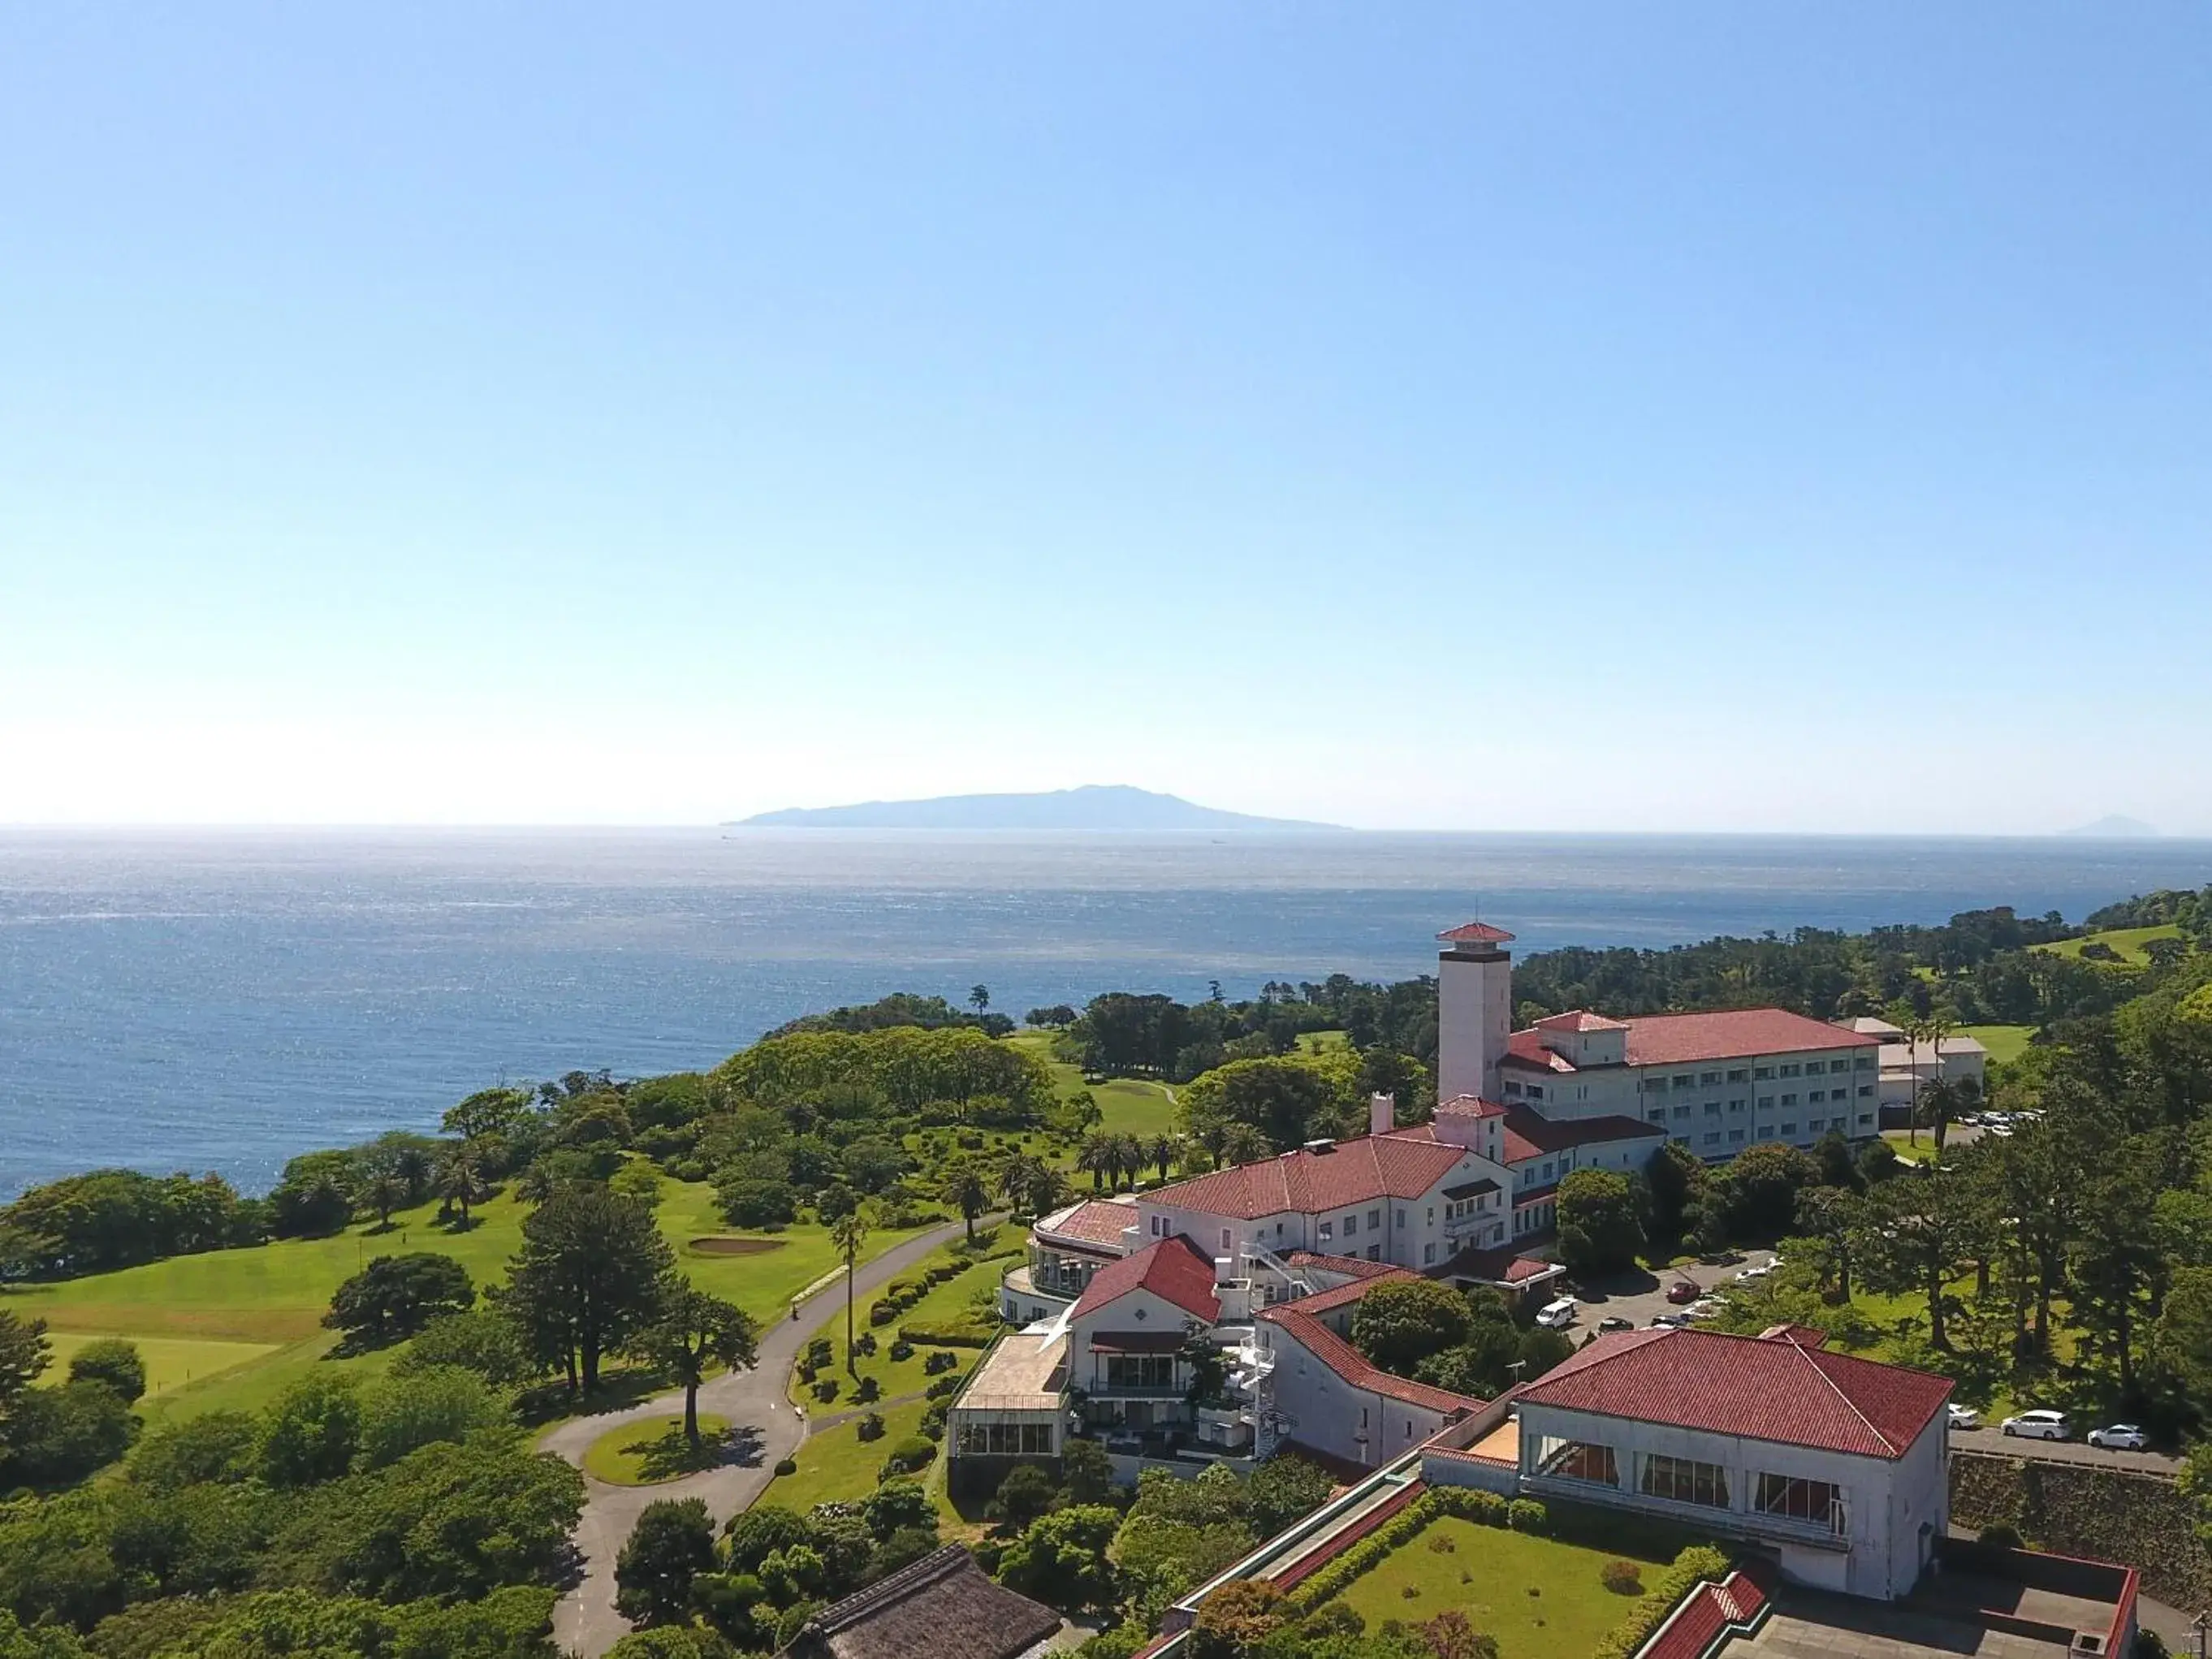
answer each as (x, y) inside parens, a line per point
(1093, 806)
(2114, 826)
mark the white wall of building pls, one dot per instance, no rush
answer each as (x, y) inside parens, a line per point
(1335, 1416)
(1409, 1232)
(1887, 1502)
(1474, 1018)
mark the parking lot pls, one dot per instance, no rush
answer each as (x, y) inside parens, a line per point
(1639, 1296)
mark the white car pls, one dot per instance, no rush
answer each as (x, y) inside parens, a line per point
(2120, 1437)
(1759, 1271)
(1558, 1315)
(1703, 1309)
(1963, 1417)
(2038, 1424)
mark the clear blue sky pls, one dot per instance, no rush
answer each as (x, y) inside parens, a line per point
(1630, 416)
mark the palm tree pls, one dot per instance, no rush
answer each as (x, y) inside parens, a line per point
(1128, 1160)
(461, 1179)
(1949, 1099)
(965, 1187)
(384, 1193)
(1029, 1185)
(847, 1233)
(1914, 1027)
(1210, 1136)
(1097, 1155)
(1161, 1151)
(1242, 1144)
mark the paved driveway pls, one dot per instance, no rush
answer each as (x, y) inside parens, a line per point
(767, 1427)
(1997, 1444)
(1639, 1294)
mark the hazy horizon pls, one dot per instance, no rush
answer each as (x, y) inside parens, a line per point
(1749, 421)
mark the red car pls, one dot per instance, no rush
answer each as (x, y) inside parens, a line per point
(1682, 1291)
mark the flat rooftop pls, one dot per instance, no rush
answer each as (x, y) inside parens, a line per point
(1026, 1372)
(1502, 1442)
(1949, 1619)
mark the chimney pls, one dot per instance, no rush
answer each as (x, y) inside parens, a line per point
(1382, 1114)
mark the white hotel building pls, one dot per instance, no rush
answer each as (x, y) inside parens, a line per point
(1271, 1258)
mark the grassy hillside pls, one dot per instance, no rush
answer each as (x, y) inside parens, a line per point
(1132, 1106)
(2128, 942)
(232, 1328)
(2004, 1042)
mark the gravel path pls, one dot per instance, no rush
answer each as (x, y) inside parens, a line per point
(766, 1426)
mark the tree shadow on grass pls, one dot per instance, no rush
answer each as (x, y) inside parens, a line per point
(619, 1389)
(666, 1454)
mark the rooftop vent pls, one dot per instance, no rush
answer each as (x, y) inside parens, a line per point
(1319, 1146)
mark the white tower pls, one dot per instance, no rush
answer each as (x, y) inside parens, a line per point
(1474, 1010)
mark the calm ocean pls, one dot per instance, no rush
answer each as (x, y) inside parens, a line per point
(205, 1000)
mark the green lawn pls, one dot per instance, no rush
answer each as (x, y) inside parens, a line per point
(171, 1362)
(949, 1300)
(1322, 1043)
(645, 1454)
(1131, 1106)
(1538, 1596)
(836, 1464)
(2006, 1043)
(2128, 941)
(1922, 1150)
(270, 1299)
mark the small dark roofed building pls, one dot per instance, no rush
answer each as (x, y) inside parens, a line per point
(941, 1605)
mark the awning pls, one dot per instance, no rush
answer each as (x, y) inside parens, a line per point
(1136, 1341)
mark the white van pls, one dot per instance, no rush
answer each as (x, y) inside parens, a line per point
(1557, 1315)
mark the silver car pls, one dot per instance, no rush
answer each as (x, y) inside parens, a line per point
(2120, 1437)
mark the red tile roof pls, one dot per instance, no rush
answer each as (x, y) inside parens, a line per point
(1686, 1039)
(1351, 1266)
(1173, 1269)
(1469, 1106)
(1501, 1264)
(1093, 1221)
(1309, 1183)
(1348, 1362)
(1738, 1034)
(1762, 1389)
(1338, 1295)
(1526, 1049)
(1474, 933)
(1580, 1019)
(1529, 1134)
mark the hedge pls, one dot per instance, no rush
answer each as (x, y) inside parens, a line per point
(1693, 1567)
(951, 1334)
(1485, 1509)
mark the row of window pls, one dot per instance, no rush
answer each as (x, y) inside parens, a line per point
(1006, 1439)
(1687, 1480)
(1766, 1102)
(1759, 1073)
(1813, 1127)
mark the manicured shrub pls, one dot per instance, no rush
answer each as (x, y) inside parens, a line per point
(901, 1349)
(943, 1389)
(786, 1466)
(1526, 1515)
(911, 1455)
(1622, 1578)
(951, 1334)
(882, 1312)
(1695, 1566)
(2002, 1533)
(871, 1426)
(940, 1360)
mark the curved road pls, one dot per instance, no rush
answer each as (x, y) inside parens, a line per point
(586, 1621)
